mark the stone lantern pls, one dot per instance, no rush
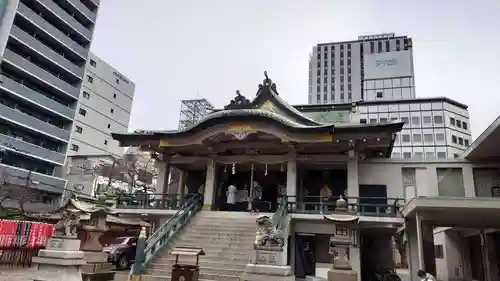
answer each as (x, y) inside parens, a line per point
(343, 238)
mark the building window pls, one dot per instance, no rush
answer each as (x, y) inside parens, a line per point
(380, 95)
(82, 111)
(415, 120)
(454, 139)
(105, 142)
(466, 142)
(439, 137)
(406, 138)
(114, 95)
(373, 121)
(109, 126)
(406, 154)
(427, 119)
(93, 63)
(429, 155)
(464, 125)
(460, 141)
(383, 120)
(75, 147)
(459, 124)
(78, 129)
(362, 121)
(417, 137)
(438, 119)
(117, 81)
(90, 79)
(86, 95)
(438, 251)
(428, 138)
(405, 120)
(441, 154)
(452, 121)
(419, 155)
(112, 110)
(396, 155)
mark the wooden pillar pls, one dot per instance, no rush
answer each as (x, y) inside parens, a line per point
(209, 191)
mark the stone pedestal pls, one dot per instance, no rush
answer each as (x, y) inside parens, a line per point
(62, 260)
(97, 268)
(342, 275)
(268, 264)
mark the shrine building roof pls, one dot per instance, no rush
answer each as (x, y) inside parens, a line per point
(266, 108)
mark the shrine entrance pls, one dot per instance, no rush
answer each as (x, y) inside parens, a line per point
(376, 252)
(259, 186)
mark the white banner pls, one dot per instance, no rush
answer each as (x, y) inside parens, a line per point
(388, 65)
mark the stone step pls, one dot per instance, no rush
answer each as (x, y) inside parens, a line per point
(224, 224)
(221, 228)
(239, 260)
(203, 277)
(202, 240)
(233, 265)
(203, 269)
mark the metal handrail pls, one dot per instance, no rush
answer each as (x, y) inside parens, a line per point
(165, 232)
(322, 205)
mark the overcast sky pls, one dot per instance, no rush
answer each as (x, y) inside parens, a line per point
(186, 49)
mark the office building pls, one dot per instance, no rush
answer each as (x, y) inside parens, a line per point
(375, 67)
(44, 46)
(434, 127)
(104, 107)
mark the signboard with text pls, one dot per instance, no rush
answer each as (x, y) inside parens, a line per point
(388, 65)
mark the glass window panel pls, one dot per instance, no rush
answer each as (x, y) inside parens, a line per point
(396, 82)
(428, 138)
(379, 84)
(417, 137)
(405, 82)
(450, 182)
(406, 93)
(388, 83)
(397, 93)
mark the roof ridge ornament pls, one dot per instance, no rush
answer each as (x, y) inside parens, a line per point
(239, 102)
(268, 83)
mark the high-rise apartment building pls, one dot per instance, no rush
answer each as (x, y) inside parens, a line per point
(44, 46)
(375, 67)
(104, 107)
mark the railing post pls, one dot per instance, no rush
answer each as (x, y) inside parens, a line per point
(140, 255)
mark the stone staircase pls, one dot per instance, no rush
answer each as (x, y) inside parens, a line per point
(227, 239)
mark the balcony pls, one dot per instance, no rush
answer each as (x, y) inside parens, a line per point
(16, 88)
(39, 47)
(22, 119)
(32, 149)
(83, 10)
(68, 19)
(44, 76)
(18, 176)
(55, 33)
(378, 206)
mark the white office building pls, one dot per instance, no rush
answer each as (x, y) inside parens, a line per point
(103, 108)
(376, 67)
(435, 127)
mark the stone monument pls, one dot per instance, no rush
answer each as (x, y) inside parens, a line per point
(62, 259)
(269, 258)
(343, 239)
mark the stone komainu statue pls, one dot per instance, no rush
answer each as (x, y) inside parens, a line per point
(68, 223)
(267, 235)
